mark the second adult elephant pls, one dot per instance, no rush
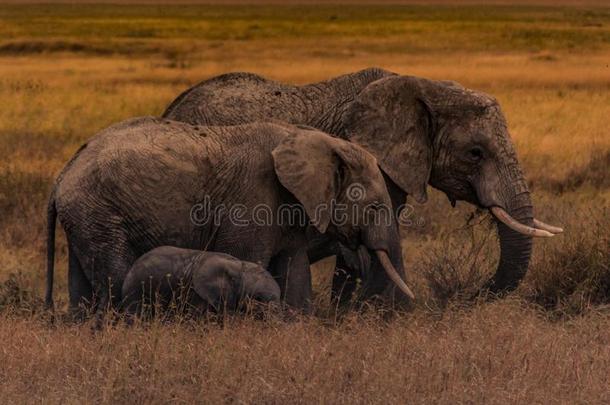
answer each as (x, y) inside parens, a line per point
(252, 191)
(421, 132)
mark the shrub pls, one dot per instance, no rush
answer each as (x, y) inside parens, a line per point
(18, 299)
(574, 276)
(457, 270)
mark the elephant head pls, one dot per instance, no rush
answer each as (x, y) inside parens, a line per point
(343, 192)
(439, 133)
(225, 280)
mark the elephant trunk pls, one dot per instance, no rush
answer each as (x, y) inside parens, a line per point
(503, 189)
(385, 261)
(515, 246)
(384, 244)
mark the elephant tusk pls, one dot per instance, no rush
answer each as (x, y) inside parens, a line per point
(393, 274)
(509, 221)
(546, 227)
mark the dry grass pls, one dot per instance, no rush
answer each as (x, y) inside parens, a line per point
(474, 356)
(68, 71)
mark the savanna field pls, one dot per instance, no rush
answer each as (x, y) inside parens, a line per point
(67, 71)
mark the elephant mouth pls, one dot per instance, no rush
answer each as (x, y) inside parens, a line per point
(540, 229)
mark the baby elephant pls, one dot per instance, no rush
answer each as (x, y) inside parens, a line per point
(195, 280)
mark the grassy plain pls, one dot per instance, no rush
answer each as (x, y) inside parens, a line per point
(67, 71)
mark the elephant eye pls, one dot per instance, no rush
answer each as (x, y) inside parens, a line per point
(475, 154)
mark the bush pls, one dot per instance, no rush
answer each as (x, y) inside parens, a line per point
(16, 298)
(568, 277)
(457, 270)
(575, 275)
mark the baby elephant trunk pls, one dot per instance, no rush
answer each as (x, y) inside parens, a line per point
(260, 286)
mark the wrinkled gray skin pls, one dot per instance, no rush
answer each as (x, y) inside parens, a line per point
(421, 132)
(138, 185)
(196, 281)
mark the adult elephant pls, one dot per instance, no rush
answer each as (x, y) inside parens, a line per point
(421, 132)
(252, 191)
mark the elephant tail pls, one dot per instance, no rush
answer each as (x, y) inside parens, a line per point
(51, 220)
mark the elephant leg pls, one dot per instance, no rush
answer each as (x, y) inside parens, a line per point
(108, 294)
(112, 270)
(345, 283)
(131, 310)
(320, 248)
(345, 276)
(292, 273)
(352, 271)
(79, 288)
(131, 305)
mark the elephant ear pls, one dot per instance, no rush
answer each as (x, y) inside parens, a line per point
(308, 166)
(391, 119)
(213, 283)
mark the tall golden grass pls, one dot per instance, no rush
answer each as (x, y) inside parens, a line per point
(68, 71)
(495, 353)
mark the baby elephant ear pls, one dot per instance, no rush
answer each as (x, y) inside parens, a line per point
(391, 120)
(306, 165)
(213, 283)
